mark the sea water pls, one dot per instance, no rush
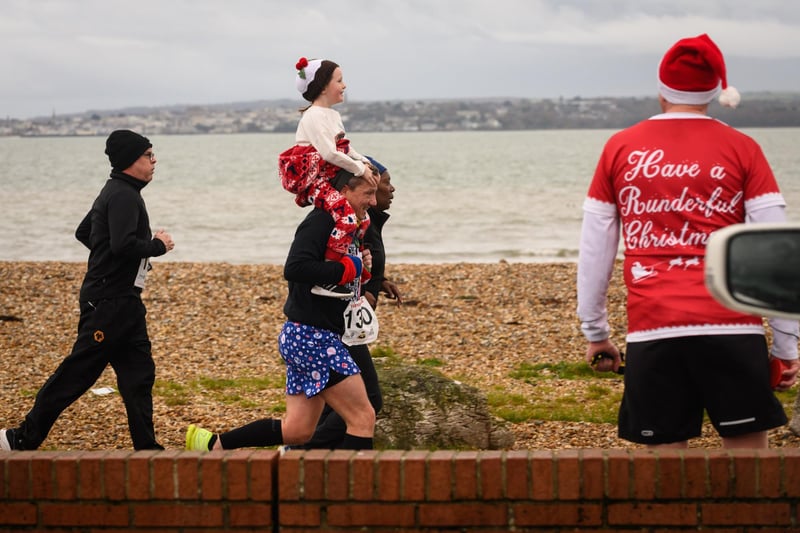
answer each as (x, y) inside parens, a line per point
(461, 196)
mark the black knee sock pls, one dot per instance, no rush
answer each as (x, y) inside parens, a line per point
(261, 433)
(351, 442)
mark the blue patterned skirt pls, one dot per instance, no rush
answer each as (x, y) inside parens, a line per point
(310, 354)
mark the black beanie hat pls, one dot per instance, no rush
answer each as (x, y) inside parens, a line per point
(124, 147)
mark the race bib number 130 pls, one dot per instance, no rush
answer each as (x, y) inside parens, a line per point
(360, 323)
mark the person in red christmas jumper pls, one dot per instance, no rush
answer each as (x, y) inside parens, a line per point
(321, 151)
(668, 183)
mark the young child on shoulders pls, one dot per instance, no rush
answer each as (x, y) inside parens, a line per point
(321, 150)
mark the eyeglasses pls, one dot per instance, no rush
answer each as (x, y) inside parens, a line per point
(151, 155)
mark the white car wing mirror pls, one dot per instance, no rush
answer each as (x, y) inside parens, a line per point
(755, 268)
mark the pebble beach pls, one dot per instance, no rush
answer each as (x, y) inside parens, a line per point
(213, 327)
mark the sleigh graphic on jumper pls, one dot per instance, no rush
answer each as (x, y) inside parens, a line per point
(640, 272)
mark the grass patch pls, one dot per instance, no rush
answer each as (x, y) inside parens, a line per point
(590, 399)
(561, 370)
(593, 403)
(787, 396)
(228, 391)
(248, 384)
(787, 399)
(173, 393)
(383, 351)
(431, 362)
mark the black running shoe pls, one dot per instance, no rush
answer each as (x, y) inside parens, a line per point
(332, 291)
(7, 440)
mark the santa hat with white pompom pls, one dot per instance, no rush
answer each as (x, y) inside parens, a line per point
(693, 72)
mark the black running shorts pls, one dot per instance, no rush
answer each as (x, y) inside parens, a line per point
(670, 383)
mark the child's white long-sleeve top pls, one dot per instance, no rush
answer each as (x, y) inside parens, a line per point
(320, 127)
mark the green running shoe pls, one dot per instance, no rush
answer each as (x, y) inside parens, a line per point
(197, 438)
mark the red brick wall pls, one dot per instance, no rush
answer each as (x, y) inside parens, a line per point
(589, 489)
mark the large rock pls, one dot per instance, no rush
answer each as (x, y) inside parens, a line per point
(422, 409)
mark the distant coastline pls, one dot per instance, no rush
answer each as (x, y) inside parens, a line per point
(757, 110)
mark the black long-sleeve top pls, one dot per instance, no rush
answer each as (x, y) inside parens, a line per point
(305, 267)
(117, 232)
(373, 239)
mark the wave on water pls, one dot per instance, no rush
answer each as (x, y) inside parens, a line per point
(562, 255)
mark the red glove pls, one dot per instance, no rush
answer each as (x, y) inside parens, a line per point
(352, 268)
(776, 368)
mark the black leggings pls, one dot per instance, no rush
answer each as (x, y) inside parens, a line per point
(331, 427)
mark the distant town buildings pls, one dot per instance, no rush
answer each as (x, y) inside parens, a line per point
(756, 110)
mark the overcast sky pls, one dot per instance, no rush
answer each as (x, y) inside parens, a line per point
(68, 56)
